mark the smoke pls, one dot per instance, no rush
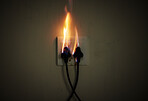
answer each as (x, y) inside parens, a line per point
(68, 7)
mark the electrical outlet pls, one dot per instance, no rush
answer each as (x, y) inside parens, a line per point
(83, 44)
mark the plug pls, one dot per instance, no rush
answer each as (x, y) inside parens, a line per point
(66, 54)
(78, 54)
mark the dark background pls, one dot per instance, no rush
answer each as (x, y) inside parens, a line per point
(117, 36)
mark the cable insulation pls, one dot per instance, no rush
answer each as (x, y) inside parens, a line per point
(75, 84)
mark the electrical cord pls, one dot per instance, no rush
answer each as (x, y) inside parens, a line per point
(75, 84)
(65, 55)
(73, 88)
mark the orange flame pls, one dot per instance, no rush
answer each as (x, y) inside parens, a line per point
(76, 44)
(66, 31)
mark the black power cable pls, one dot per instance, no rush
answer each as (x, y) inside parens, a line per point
(78, 54)
(65, 55)
(73, 88)
(75, 84)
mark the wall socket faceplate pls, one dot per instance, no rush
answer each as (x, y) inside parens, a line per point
(83, 44)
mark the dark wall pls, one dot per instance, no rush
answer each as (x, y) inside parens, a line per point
(118, 50)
